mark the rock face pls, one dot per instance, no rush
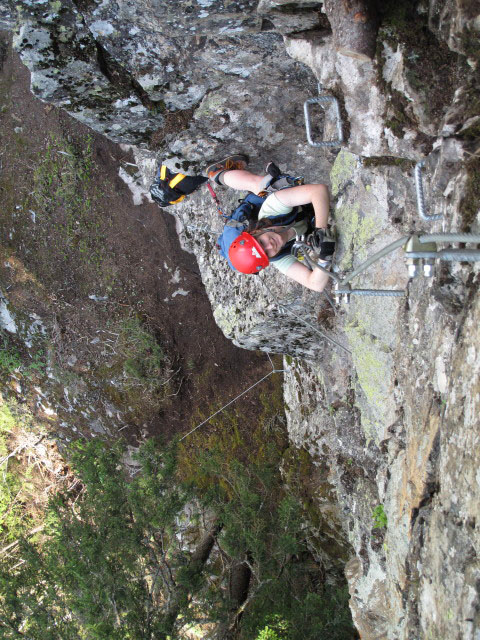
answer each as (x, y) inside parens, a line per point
(394, 420)
(383, 392)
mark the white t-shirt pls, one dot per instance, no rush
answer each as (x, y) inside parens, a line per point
(271, 208)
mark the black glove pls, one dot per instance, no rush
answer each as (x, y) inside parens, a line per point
(320, 241)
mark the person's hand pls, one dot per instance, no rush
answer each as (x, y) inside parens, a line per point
(322, 243)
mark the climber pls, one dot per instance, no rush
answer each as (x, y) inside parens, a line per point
(250, 245)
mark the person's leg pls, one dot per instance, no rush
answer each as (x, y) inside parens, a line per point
(242, 180)
(217, 169)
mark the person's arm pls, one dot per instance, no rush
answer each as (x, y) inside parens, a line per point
(315, 280)
(315, 194)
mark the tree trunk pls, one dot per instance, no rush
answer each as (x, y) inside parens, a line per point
(205, 546)
(354, 24)
(238, 585)
(197, 561)
(239, 582)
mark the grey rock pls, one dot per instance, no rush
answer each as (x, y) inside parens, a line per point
(7, 21)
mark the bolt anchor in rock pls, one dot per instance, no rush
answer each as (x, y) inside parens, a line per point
(342, 293)
(414, 262)
(428, 267)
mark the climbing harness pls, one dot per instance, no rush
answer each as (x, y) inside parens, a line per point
(323, 100)
(163, 189)
(281, 182)
(236, 398)
(420, 194)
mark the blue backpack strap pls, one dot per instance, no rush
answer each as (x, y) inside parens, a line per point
(255, 200)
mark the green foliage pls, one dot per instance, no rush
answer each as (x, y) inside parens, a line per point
(144, 359)
(258, 445)
(137, 374)
(63, 199)
(268, 634)
(94, 575)
(240, 481)
(13, 519)
(16, 487)
(10, 359)
(379, 516)
(113, 564)
(264, 524)
(37, 363)
(61, 178)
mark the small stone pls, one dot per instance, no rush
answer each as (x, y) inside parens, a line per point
(72, 360)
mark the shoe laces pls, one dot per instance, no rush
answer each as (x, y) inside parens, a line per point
(231, 164)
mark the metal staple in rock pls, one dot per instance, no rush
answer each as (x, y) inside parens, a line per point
(420, 194)
(451, 255)
(450, 237)
(322, 99)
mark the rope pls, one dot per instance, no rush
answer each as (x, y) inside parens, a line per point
(330, 301)
(235, 399)
(216, 200)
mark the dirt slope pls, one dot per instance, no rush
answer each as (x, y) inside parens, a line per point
(80, 255)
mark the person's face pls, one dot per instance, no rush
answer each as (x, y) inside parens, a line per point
(271, 242)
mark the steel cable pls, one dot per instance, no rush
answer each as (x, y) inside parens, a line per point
(298, 317)
(450, 237)
(235, 399)
(393, 293)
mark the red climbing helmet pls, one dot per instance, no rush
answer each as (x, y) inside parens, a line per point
(247, 255)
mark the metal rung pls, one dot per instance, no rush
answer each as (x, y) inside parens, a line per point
(322, 100)
(420, 196)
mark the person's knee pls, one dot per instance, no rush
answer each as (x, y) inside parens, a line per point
(321, 190)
